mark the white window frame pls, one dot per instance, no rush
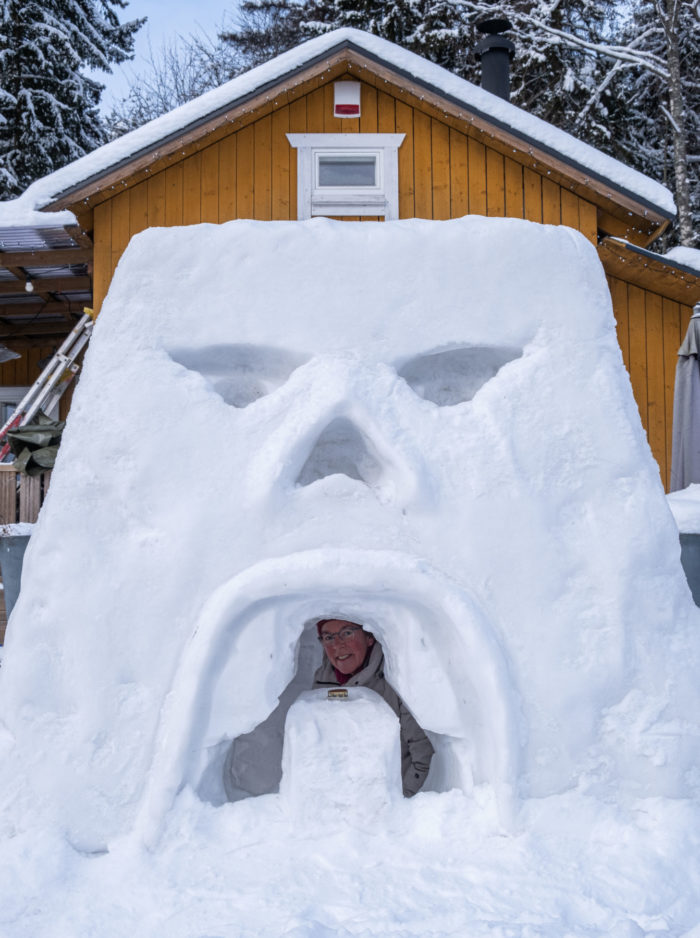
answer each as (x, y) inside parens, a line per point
(14, 393)
(382, 199)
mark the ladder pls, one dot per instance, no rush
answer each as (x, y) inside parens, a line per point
(53, 380)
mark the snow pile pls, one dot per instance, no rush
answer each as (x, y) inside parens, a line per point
(422, 426)
(533, 130)
(685, 506)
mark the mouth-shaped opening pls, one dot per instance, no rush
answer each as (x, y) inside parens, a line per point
(254, 650)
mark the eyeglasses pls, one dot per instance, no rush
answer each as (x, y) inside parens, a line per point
(326, 638)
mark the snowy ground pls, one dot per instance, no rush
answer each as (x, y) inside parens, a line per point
(435, 866)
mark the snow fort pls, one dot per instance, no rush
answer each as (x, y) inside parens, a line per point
(423, 427)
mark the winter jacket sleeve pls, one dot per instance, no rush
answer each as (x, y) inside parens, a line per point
(416, 753)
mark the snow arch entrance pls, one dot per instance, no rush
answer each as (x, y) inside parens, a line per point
(442, 657)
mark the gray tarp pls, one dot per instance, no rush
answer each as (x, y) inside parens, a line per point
(35, 445)
(685, 454)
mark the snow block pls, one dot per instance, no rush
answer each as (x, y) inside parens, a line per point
(342, 757)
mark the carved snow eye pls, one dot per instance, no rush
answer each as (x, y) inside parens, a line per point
(454, 376)
(240, 374)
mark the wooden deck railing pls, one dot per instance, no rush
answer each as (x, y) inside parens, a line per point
(21, 496)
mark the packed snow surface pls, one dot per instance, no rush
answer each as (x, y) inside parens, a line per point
(685, 506)
(46, 190)
(425, 427)
(21, 529)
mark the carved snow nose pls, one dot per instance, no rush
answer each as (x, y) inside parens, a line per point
(341, 448)
(347, 425)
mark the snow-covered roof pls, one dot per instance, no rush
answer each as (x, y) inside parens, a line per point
(685, 256)
(664, 274)
(680, 258)
(530, 129)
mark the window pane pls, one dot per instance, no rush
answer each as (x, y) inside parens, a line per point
(347, 170)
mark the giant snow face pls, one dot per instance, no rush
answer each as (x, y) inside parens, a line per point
(422, 426)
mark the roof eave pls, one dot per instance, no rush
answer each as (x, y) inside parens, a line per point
(653, 272)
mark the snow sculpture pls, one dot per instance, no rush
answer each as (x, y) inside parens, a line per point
(422, 426)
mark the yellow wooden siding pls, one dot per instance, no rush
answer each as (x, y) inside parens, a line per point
(532, 195)
(459, 174)
(173, 194)
(156, 201)
(407, 188)
(514, 189)
(650, 329)
(23, 371)
(675, 319)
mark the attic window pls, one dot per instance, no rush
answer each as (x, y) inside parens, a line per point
(347, 174)
(339, 170)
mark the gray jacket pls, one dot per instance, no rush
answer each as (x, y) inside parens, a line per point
(416, 750)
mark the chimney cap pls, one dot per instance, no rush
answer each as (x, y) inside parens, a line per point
(494, 42)
(493, 25)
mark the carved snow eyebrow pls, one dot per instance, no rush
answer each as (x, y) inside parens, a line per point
(454, 376)
(240, 374)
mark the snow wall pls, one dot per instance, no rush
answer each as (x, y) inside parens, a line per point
(423, 426)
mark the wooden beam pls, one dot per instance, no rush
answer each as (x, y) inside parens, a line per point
(19, 342)
(38, 328)
(45, 285)
(79, 236)
(18, 273)
(37, 307)
(610, 225)
(58, 258)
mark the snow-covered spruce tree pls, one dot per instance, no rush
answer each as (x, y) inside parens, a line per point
(263, 29)
(553, 78)
(435, 29)
(646, 83)
(48, 106)
(443, 35)
(657, 79)
(321, 16)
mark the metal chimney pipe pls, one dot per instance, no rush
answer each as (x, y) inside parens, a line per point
(495, 52)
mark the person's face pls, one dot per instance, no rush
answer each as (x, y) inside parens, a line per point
(348, 649)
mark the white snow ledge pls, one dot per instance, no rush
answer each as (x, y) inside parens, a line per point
(47, 190)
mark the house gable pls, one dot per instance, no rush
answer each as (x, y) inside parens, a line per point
(619, 212)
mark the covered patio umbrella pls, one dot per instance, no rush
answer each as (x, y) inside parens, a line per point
(685, 453)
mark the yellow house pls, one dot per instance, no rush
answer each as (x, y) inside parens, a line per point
(351, 126)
